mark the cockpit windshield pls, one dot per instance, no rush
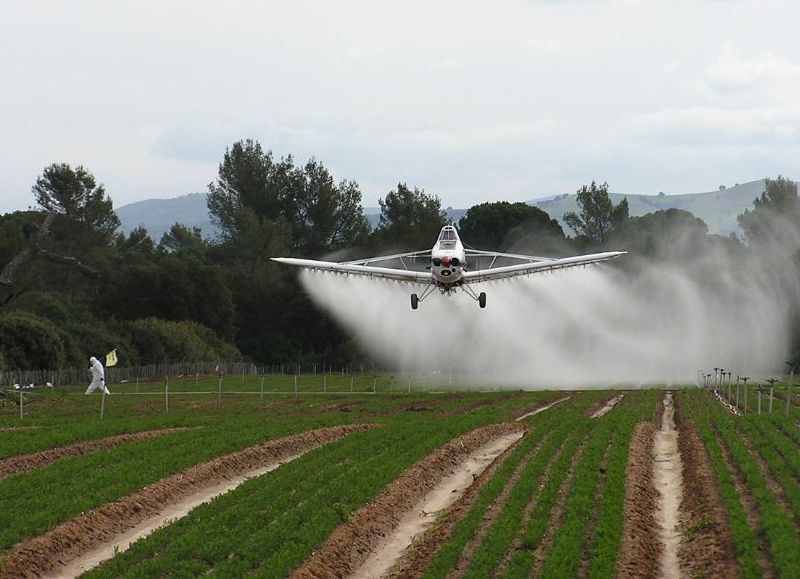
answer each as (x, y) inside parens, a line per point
(447, 234)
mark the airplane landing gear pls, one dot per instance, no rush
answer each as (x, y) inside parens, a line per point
(415, 299)
(482, 299)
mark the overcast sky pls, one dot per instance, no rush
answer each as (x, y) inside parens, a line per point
(473, 101)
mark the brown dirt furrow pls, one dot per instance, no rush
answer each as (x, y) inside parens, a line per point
(591, 524)
(28, 462)
(46, 554)
(351, 544)
(557, 513)
(749, 505)
(477, 406)
(16, 428)
(418, 558)
(640, 551)
(706, 548)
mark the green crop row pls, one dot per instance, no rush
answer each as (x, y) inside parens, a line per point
(605, 545)
(270, 524)
(506, 526)
(697, 407)
(448, 555)
(564, 555)
(772, 450)
(521, 560)
(777, 526)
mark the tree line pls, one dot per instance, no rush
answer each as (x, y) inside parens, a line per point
(72, 285)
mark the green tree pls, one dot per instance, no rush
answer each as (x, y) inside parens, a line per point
(185, 243)
(409, 218)
(246, 178)
(74, 193)
(598, 216)
(774, 221)
(322, 215)
(497, 225)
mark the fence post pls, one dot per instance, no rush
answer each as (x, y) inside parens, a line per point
(166, 393)
(103, 402)
(262, 387)
(219, 391)
(351, 383)
(295, 385)
(22, 403)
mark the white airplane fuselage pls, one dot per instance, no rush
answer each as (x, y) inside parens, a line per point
(447, 257)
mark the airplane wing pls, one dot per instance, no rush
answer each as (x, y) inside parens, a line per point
(360, 269)
(534, 264)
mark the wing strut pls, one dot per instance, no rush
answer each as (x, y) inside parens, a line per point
(415, 299)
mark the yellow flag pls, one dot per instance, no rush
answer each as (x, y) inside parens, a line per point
(111, 358)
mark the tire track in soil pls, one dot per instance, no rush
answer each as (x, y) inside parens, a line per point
(558, 512)
(28, 462)
(516, 544)
(538, 407)
(749, 506)
(640, 550)
(668, 477)
(417, 560)
(591, 525)
(493, 512)
(604, 406)
(349, 546)
(51, 552)
(706, 548)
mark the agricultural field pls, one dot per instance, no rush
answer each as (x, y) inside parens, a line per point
(377, 475)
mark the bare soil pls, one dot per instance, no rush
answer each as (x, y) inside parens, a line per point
(350, 545)
(52, 551)
(415, 522)
(668, 478)
(640, 545)
(706, 548)
(28, 462)
(417, 558)
(605, 406)
(538, 407)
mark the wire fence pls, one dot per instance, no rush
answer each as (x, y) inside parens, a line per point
(74, 377)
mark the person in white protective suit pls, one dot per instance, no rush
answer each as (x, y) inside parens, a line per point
(98, 377)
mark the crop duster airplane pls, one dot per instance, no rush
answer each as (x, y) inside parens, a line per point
(448, 266)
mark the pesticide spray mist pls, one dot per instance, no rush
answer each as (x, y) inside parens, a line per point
(598, 326)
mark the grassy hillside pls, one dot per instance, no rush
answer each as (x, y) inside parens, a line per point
(717, 208)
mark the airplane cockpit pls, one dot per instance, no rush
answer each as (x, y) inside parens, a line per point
(447, 238)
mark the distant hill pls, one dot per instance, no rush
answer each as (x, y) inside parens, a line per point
(718, 209)
(158, 215)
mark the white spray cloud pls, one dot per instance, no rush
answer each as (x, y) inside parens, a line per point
(592, 327)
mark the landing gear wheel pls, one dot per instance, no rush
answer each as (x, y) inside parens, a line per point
(482, 299)
(414, 301)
